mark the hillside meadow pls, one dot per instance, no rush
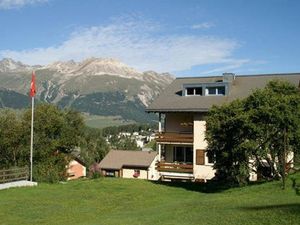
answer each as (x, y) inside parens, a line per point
(126, 201)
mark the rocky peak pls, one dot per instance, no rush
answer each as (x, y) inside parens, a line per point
(9, 65)
(98, 66)
(62, 67)
(95, 66)
(158, 77)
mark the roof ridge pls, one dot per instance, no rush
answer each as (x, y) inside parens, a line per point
(241, 75)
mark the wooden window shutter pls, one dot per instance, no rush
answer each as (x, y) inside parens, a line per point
(200, 157)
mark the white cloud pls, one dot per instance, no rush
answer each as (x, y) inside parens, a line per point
(139, 44)
(204, 25)
(228, 65)
(10, 4)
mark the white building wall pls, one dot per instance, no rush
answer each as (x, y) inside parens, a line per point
(128, 173)
(152, 172)
(206, 171)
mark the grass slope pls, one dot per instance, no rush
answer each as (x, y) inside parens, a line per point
(123, 201)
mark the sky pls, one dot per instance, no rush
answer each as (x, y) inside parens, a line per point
(182, 37)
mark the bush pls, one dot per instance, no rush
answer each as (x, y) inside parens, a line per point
(51, 171)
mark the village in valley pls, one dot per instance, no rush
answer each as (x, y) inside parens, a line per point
(149, 112)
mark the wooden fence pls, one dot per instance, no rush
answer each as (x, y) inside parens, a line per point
(14, 174)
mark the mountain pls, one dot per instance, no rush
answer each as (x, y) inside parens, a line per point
(96, 86)
(9, 65)
(12, 99)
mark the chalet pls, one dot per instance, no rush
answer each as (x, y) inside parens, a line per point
(129, 164)
(181, 144)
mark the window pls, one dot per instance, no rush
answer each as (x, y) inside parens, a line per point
(109, 173)
(198, 91)
(178, 154)
(188, 154)
(210, 157)
(183, 154)
(194, 91)
(211, 91)
(190, 91)
(219, 90)
(136, 173)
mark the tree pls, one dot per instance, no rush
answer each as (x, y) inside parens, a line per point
(93, 146)
(226, 134)
(11, 140)
(265, 125)
(275, 113)
(72, 130)
(55, 133)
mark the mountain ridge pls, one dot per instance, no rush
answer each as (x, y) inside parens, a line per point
(109, 85)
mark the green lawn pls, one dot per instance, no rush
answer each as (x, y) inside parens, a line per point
(95, 121)
(127, 201)
(104, 121)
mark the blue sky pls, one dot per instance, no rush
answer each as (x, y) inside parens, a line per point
(183, 37)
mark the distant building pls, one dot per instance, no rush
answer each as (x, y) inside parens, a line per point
(129, 164)
(76, 169)
(140, 143)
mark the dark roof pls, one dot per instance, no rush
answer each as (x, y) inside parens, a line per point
(171, 100)
(116, 159)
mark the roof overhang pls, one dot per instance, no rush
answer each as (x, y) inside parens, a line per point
(109, 168)
(135, 166)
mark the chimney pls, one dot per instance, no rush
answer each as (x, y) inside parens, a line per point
(228, 77)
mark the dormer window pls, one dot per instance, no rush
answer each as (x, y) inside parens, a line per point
(206, 89)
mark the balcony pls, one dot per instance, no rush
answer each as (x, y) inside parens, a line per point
(174, 167)
(168, 137)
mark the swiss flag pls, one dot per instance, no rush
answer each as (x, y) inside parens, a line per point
(32, 85)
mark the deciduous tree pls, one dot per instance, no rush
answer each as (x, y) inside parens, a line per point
(264, 126)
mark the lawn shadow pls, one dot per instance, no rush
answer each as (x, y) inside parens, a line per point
(208, 187)
(291, 208)
(211, 186)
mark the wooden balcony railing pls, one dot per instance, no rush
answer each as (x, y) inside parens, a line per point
(174, 137)
(174, 167)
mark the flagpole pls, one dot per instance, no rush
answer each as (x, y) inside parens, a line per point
(32, 94)
(31, 139)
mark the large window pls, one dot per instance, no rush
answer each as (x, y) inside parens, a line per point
(183, 154)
